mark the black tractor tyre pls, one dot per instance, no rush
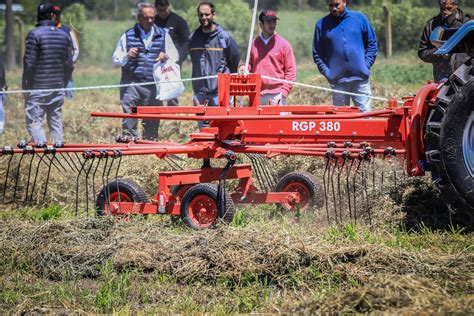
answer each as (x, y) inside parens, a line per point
(449, 144)
(127, 190)
(308, 184)
(204, 196)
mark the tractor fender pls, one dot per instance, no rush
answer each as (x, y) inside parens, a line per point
(456, 38)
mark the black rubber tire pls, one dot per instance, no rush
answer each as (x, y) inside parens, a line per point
(130, 188)
(209, 190)
(310, 182)
(175, 190)
(444, 145)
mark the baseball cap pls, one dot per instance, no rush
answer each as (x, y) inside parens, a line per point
(45, 8)
(268, 15)
(444, 1)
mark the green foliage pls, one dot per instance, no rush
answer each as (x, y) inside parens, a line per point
(75, 17)
(49, 213)
(407, 24)
(114, 289)
(234, 16)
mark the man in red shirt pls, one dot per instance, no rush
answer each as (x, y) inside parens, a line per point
(272, 55)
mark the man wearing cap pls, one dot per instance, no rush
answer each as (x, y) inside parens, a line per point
(212, 51)
(74, 43)
(47, 64)
(344, 49)
(178, 30)
(271, 55)
(450, 16)
(137, 51)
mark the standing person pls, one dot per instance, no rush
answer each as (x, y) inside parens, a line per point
(74, 43)
(450, 16)
(137, 51)
(47, 64)
(212, 51)
(272, 55)
(178, 30)
(344, 49)
(3, 96)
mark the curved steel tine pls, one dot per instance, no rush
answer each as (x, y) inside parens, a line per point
(365, 188)
(30, 166)
(48, 176)
(354, 187)
(77, 186)
(87, 185)
(36, 178)
(325, 185)
(5, 184)
(341, 168)
(17, 177)
(116, 182)
(94, 192)
(348, 187)
(333, 192)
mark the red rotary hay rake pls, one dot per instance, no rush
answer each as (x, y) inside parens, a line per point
(347, 139)
(433, 130)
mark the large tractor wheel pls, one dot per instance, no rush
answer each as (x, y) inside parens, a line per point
(308, 187)
(122, 190)
(199, 207)
(450, 144)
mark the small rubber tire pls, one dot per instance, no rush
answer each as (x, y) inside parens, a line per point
(127, 190)
(199, 207)
(445, 131)
(307, 185)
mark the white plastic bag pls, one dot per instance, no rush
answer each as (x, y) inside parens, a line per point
(168, 80)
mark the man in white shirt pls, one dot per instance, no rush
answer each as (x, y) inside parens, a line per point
(137, 51)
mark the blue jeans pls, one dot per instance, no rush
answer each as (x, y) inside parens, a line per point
(3, 98)
(69, 90)
(200, 98)
(360, 87)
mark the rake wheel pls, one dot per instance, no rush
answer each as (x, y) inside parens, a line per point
(178, 191)
(307, 185)
(199, 207)
(122, 190)
(450, 144)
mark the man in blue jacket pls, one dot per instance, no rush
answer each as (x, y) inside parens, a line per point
(212, 51)
(344, 49)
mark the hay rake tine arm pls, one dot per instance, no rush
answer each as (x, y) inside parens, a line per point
(35, 178)
(30, 166)
(7, 151)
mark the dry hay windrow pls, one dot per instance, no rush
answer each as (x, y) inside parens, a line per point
(79, 248)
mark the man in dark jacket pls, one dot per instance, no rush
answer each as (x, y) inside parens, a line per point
(137, 51)
(3, 96)
(212, 51)
(450, 16)
(178, 30)
(344, 49)
(47, 64)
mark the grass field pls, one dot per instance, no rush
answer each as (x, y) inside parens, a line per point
(407, 259)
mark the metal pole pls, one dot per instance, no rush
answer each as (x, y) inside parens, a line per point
(252, 29)
(388, 32)
(9, 40)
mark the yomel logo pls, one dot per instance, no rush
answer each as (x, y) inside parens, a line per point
(166, 70)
